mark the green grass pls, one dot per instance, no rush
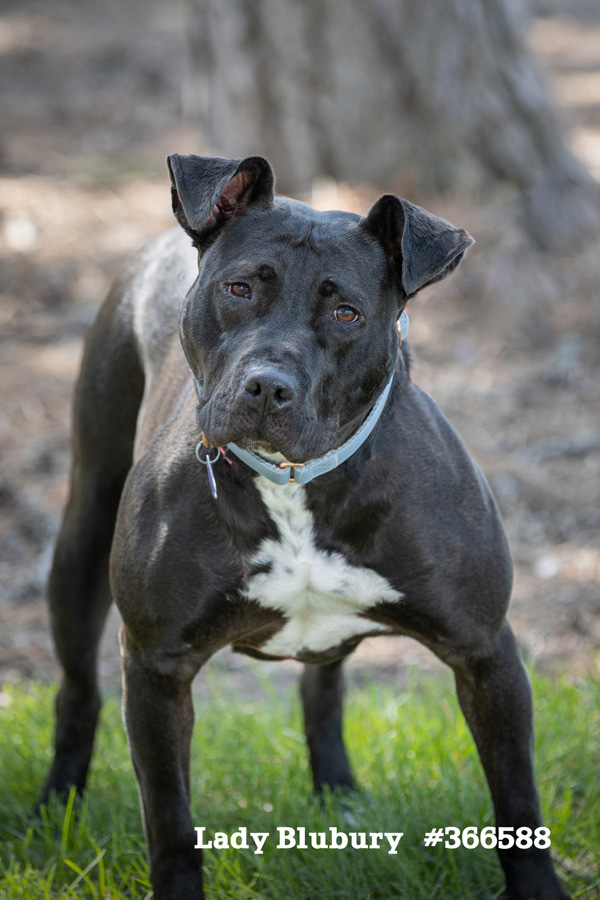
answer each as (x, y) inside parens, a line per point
(412, 755)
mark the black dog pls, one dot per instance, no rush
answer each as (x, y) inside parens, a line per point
(334, 500)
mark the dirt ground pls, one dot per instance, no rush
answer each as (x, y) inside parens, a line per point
(91, 101)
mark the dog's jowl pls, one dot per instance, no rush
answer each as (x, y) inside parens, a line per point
(255, 468)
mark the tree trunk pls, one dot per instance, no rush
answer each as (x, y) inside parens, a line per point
(418, 96)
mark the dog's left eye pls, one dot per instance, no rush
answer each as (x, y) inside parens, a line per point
(239, 289)
(345, 314)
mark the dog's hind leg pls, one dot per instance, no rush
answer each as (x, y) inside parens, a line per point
(322, 690)
(107, 400)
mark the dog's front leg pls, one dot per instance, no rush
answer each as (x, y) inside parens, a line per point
(322, 690)
(159, 717)
(495, 696)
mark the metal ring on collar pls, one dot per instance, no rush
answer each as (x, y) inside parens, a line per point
(207, 461)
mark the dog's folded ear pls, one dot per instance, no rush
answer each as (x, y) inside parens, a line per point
(421, 247)
(208, 192)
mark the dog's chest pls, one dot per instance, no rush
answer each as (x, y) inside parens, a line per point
(323, 597)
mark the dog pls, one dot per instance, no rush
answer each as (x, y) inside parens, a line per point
(282, 486)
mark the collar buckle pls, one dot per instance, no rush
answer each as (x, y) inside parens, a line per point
(290, 465)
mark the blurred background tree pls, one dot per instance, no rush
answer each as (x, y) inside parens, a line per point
(426, 96)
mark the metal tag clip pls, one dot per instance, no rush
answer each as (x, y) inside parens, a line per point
(209, 463)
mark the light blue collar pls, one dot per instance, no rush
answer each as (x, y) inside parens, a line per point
(302, 473)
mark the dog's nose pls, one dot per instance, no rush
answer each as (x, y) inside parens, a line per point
(270, 389)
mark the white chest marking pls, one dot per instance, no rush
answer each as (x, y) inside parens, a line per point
(321, 594)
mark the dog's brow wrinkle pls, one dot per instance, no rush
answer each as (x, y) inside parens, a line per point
(305, 237)
(249, 268)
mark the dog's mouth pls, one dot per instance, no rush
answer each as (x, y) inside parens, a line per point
(283, 441)
(264, 448)
(273, 451)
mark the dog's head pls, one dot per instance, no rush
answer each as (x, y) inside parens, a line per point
(290, 327)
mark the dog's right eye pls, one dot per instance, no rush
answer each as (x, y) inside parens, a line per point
(346, 314)
(239, 289)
